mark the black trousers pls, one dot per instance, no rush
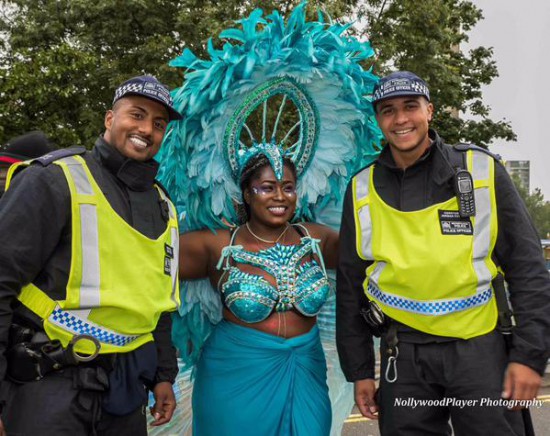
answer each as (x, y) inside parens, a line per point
(58, 406)
(442, 374)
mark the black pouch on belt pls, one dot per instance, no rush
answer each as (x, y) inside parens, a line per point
(32, 355)
(374, 317)
(28, 360)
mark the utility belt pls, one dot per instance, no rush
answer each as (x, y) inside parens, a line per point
(31, 355)
(382, 326)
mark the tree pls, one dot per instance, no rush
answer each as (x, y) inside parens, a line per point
(538, 209)
(424, 37)
(61, 59)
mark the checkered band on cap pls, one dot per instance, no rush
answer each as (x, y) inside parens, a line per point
(400, 84)
(155, 90)
(148, 87)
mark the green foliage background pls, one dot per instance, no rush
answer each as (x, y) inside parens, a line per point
(60, 60)
(538, 209)
(424, 37)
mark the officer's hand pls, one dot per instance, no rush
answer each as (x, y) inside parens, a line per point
(2, 430)
(520, 383)
(165, 403)
(364, 398)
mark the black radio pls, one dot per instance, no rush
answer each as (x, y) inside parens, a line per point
(464, 188)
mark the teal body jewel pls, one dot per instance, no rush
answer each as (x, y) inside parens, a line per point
(301, 285)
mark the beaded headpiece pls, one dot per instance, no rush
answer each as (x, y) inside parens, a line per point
(300, 151)
(273, 152)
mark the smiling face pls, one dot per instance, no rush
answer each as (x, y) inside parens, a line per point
(272, 202)
(405, 122)
(135, 127)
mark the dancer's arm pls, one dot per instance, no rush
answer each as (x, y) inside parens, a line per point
(329, 243)
(197, 253)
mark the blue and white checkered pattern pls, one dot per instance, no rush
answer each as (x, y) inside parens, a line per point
(436, 307)
(153, 90)
(400, 84)
(75, 325)
(420, 88)
(148, 87)
(130, 87)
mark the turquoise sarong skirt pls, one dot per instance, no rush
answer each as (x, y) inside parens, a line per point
(252, 383)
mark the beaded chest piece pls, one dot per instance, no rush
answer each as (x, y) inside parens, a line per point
(301, 285)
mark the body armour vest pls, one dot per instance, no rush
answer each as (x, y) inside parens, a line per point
(432, 268)
(120, 281)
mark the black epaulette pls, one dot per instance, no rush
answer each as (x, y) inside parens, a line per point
(465, 146)
(52, 156)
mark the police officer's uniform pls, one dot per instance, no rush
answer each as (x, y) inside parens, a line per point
(405, 246)
(91, 242)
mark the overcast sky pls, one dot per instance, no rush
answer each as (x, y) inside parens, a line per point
(519, 32)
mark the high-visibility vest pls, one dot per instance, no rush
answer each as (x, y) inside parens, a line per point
(431, 269)
(120, 281)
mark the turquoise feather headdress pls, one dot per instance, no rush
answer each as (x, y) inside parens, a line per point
(309, 69)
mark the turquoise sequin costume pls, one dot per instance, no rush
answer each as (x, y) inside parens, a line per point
(300, 285)
(239, 365)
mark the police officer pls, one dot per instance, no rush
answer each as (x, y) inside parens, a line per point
(28, 146)
(88, 274)
(425, 230)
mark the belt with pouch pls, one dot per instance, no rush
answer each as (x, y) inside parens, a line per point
(31, 354)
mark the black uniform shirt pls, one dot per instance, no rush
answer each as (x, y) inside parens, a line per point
(517, 251)
(35, 232)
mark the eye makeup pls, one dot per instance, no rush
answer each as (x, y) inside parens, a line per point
(265, 190)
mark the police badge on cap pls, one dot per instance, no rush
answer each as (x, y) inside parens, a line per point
(148, 87)
(400, 84)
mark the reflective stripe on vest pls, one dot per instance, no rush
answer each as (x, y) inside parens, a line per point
(89, 289)
(482, 229)
(84, 311)
(479, 165)
(174, 235)
(361, 183)
(76, 321)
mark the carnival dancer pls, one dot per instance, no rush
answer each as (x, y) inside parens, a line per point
(427, 228)
(88, 274)
(271, 276)
(275, 122)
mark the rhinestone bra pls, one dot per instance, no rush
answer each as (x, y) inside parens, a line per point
(301, 285)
